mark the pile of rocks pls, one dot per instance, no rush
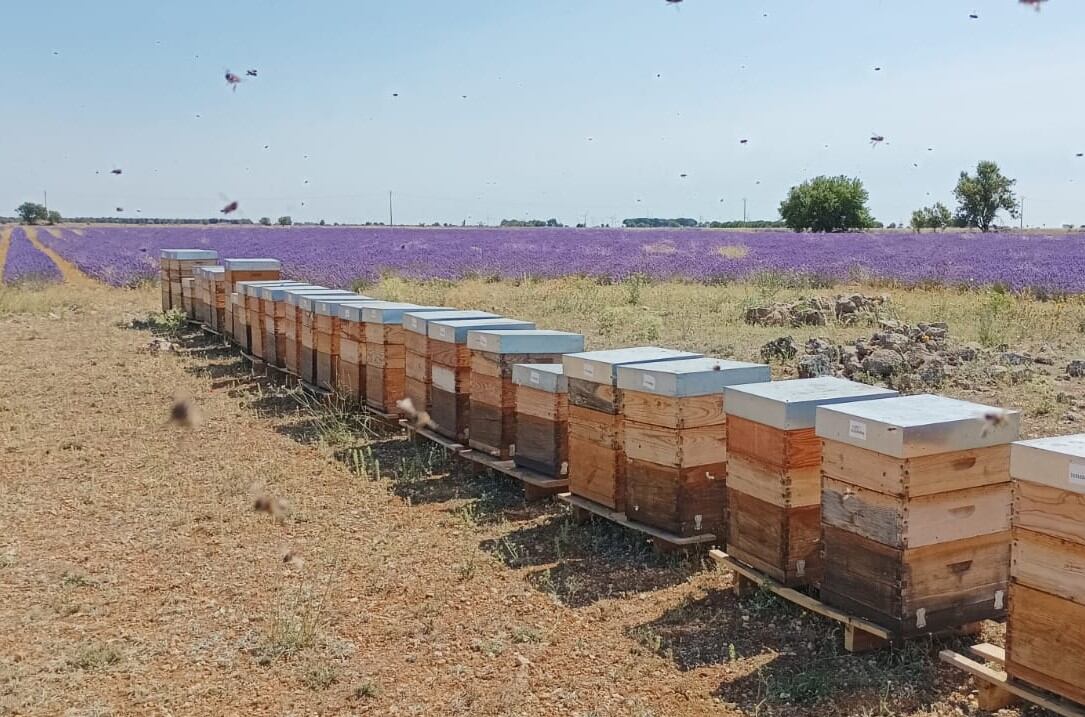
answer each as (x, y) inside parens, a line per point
(816, 311)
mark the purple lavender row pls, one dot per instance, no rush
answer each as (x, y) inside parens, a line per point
(338, 256)
(25, 263)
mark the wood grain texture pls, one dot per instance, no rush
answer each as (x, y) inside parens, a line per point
(383, 333)
(542, 444)
(786, 488)
(326, 365)
(449, 354)
(1044, 638)
(677, 447)
(910, 523)
(383, 387)
(492, 428)
(492, 390)
(542, 404)
(603, 429)
(596, 472)
(673, 412)
(684, 501)
(784, 543)
(603, 398)
(1051, 564)
(350, 380)
(418, 392)
(494, 364)
(451, 412)
(773, 446)
(417, 366)
(1051, 511)
(386, 355)
(349, 349)
(922, 475)
(416, 343)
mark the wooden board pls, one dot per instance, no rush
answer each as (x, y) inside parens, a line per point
(919, 590)
(783, 543)
(416, 343)
(684, 501)
(786, 488)
(673, 412)
(383, 387)
(1051, 511)
(326, 365)
(542, 445)
(492, 390)
(383, 333)
(911, 523)
(500, 365)
(1051, 564)
(596, 472)
(417, 366)
(994, 684)
(599, 397)
(386, 355)
(536, 485)
(677, 447)
(772, 446)
(492, 429)
(602, 429)
(615, 516)
(542, 404)
(418, 392)
(1044, 639)
(450, 413)
(449, 354)
(451, 379)
(350, 380)
(922, 475)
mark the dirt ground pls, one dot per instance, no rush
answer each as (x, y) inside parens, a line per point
(137, 579)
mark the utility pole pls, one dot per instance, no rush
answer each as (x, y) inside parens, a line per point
(45, 200)
(391, 223)
(744, 211)
(1022, 212)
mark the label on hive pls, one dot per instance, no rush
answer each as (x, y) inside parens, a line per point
(1077, 474)
(564, 468)
(857, 430)
(589, 371)
(649, 381)
(483, 341)
(534, 378)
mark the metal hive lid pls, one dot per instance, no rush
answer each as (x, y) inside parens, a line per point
(602, 366)
(919, 425)
(252, 288)
(330, 305)
(278, 293)
(188, 254)
(294, 296)
(549, 377)
(419, 323)
(393, 312)
(792, 405)
(690, 377)
(1058, 462)
(258, 264)
(456, 331)
(529, 341)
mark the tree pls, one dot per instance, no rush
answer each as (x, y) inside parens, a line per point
(265, 221)
(53, 217)
(936, 216)
(31, 213)
(980, 198)
(825, 204)
(285, 221)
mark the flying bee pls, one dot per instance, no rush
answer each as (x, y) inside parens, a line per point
(232, 80)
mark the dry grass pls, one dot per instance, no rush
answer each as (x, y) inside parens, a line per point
(135, 577)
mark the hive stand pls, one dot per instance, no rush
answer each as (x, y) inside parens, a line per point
(662, 541)
(997, 690)
(860, 635)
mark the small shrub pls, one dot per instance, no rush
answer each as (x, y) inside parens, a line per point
(95, 657)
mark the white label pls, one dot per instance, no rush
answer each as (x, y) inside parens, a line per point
(697, 522)
(589, 370)
(1077, 474)
(564, 468)
(649, 381)
(921, 617)
(534, 377)
(444, 332)
(483, 341)
(857, 430)
(998, 600)
(800, 567)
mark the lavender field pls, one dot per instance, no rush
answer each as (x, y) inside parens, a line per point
(25, 263)
(338, 256)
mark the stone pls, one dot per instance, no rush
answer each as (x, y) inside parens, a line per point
(1011, 358)
(1076, 368)
(781, 349)
(815, 366)
(968, 352)
(932, 373)
(1020, 374)
(884, 363)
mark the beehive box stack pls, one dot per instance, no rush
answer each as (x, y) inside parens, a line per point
(292, 321)
(494, 352)
(176, 265)
(542, 419)
(350, 373)
(416, 342)
(326, 332)
(235, 270)
(166, 267)
(1045, 630)
(774, 473)
(675, 440)
(450, 371)
(255, 308)
(386, 354)
(596, 446)
(187, 299)
(307, 330)
(273, 309)
(916, 511)
(217, 298)
(199, 295)
(236, 316)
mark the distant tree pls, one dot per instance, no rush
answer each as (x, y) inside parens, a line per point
(658, 222)
(553, 223)
(321, 222)
(826, 204)
(936, 216)
(31, 213)
(981, 197)
(266, 221)
(53, 217)
(285, 221)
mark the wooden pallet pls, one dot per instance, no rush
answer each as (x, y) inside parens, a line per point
(860, 635)
(998, 690)
(314, 390)
(663, 541)
(536, 485)
(419, 434)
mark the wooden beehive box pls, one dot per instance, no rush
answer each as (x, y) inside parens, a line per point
(326, 333)
(165, 263)
(175, 265)
(253, 341)
(674, 435)
(542, 418)
(292, 326)
(350, 373)
(217, 298)
(416, 343)
(236, 316)
(916, 511)
(494, 352)
(187, 299)
(450, 371)
(235, 270)
(273, 321)
(774, 472)
(386, 354)
(596, 447)
(1045, 629)
(307, 329)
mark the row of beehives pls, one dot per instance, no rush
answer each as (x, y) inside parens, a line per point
(899, 509)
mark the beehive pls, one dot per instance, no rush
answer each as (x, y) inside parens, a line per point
(187, 303)
(292, 322)
(235, 270)
(199, 295)
(307, 328)
(217, 298)
(416, 342)
(674, 436)
(774, 472)
(273, 310)
(542, 418)
(916, 511)
(236, 316)
(386, 354)
(176, 265)
(253, 341)
(596, 446)
(1045, 629)
(350, 373)
(494, 352)
(326, 333)
(450, 371)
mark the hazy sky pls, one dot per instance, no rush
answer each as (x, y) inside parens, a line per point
(572, 107)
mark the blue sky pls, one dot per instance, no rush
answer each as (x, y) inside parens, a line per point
(660, 90)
